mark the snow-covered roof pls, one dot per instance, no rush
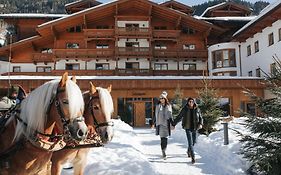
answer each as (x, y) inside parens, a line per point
(31, 15)
(82, 11)
(227, 18)
(23, 77)
(266, 10)
(212, 7)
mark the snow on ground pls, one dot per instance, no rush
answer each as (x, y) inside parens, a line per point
(137, 152)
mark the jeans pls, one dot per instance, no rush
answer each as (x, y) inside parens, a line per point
(191, 140)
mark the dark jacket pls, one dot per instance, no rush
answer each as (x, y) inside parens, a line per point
(185, 117)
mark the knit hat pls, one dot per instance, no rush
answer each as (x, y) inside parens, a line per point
(164, 94)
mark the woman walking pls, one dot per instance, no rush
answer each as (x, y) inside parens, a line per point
(191, 122)
(163, 117)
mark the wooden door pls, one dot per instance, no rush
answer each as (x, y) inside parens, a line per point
(139, 113)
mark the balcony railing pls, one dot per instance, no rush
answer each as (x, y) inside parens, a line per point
(133, 31)
(113, 72)
(42, 57)
(193, 54)
(164, 53)
(180, 54)
(99, 33)
(83, 53)
(133, 51)
(166, 34)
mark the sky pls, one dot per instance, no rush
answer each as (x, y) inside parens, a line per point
(196, 2)
(136, 151)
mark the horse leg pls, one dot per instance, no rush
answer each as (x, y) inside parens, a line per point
(80, 161)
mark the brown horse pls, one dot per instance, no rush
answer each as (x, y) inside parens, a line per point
(97, 114)
(49, 117)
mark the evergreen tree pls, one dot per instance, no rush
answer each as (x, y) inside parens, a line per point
(262, 146)
(209, 107)
(177, 101)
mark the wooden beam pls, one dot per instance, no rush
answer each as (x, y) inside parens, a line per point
(85, 21)
(55, 32)
(150, 10)
(33, 46)
(116, 9)
(178, 22)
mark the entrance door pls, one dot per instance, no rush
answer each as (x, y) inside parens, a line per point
(139, 113)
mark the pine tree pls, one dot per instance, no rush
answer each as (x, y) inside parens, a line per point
(177, 101)
(209, 106)
(262, 146)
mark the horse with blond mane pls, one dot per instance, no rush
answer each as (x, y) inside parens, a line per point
(49, 117)
(98, 111)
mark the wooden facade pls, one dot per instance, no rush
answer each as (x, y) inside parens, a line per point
(108, 43)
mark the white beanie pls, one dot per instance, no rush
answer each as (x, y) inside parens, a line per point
(164, 94)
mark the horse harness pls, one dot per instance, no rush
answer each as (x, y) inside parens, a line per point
(56, 143)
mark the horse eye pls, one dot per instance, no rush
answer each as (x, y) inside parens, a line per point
(65, 101)
(95, 107)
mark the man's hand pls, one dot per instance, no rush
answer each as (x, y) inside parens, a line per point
(200, 126)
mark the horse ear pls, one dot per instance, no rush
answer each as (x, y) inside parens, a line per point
(74, 79)
(63, 79)
(92, 88)
(109, 88)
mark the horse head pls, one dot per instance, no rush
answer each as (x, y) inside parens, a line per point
(52, 113)
(98, 111)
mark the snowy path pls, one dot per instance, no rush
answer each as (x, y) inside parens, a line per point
(177, 162)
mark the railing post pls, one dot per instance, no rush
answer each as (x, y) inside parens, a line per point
(225, 130)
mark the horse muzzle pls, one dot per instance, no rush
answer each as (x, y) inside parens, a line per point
(78, 129)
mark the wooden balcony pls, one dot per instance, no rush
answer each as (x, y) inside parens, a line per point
(83, 53)
(164, 53)
(193, 54)
(133, 51)
(133, 32)
(100, 34)
(166, 34)
(42, 57)
(178, 72)
(114, 72)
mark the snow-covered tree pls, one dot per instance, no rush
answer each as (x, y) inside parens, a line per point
(209, 106)
(177, 101)
(262, 146)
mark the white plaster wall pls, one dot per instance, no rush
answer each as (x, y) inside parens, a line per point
(263, 58)
(200, 65)
(4, 67)
(142, 24)
(142, 42)
(221, 46)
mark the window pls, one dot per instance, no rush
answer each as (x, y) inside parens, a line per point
(131, 27)
(102, 66)
(279, 34)
(46, 50)
(16, 69)
(72, 45)
(270, 39)
(160, 66)
(74, 29)
(102, 46)
(257, 46)
(188, 31)
(248, 107)
(160, 28)
(160, 46)
(250, 73)
(43, 69)
(224, 58)
(189, 66)
(132, 65)
(249, 52)
(72, 66)
(258, 72)
(132, 44)
(273, 68)
(189, 46)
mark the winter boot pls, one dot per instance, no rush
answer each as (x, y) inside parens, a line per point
(188, 153)
(164, 154)
(193, 160)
